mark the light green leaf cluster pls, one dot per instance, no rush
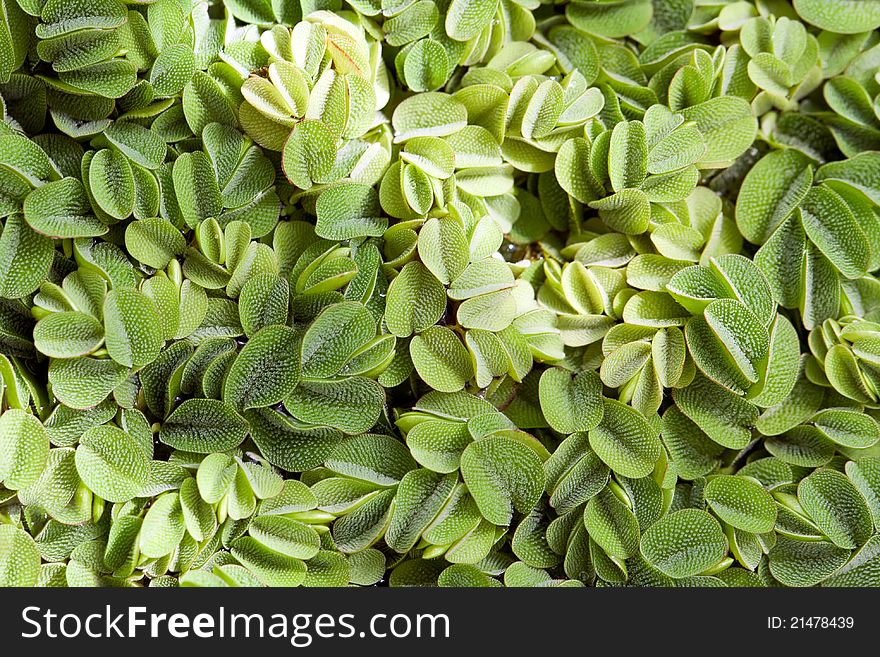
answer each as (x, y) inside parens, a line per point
(462, 293)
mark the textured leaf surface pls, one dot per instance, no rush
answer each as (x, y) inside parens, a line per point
(68, 334)
(132, 328)
(351, 405)
(502, 475)
(571, 404)
(19, 558)
(742, 503)
(625, 440)
(837, 507)
(266, 370)
(112, 464)
(203, 426)
(684, 543)
(25, 449)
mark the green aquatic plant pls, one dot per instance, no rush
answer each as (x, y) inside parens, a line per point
(439, 293)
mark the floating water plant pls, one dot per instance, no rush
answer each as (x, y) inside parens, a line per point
(432, 292)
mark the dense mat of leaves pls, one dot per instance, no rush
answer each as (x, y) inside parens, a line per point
(440, 292)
